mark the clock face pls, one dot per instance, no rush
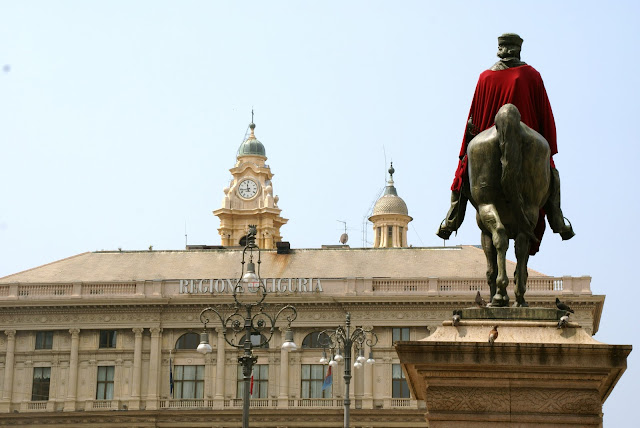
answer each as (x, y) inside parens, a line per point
(247, 189)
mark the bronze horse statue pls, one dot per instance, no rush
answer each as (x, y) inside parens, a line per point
(509, 178)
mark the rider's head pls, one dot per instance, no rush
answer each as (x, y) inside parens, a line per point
(509, 45)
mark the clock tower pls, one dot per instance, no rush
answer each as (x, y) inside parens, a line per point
(249, 199)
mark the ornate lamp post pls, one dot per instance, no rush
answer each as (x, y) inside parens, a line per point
(342, 339)
(248, 314)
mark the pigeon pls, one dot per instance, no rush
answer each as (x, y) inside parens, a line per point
(562, 306)
(493, 335)
(480, 301)
(456, 319)
(564, 320)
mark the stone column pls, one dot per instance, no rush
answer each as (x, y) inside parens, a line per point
(283, 393)
(154, 368)
(72, 381)
(134, 403)
(220, 370)
(7, 392)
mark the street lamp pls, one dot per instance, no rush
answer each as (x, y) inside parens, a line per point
(340, 340)
(248, 294)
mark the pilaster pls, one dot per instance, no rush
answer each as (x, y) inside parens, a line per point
(220, 370)
(283, 393)
(154, 368)
(134, 402)
(72, 382)
(7, 392)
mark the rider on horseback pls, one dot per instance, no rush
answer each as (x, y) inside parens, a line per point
(508, 81)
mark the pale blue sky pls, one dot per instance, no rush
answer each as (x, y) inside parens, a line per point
(119, 121)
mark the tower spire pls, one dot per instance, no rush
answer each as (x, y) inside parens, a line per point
(252, 126)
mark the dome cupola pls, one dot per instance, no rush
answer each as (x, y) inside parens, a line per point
(390, 217)
(390, 202)
(251, 146)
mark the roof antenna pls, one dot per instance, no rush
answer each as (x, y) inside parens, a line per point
(185, 234)
(251, 114)
(384, 152)
(344, 237)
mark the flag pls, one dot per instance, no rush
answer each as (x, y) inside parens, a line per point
(251, 388)
(170, 376)
(328, 380)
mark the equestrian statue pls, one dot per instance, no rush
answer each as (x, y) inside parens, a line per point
(507, 170)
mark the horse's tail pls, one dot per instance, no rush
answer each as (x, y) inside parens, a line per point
(510, 140)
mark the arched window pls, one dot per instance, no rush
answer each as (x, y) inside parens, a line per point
(311, 341)
(188, 341)
(256, 339)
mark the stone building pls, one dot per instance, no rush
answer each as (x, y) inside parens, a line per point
(108, 338)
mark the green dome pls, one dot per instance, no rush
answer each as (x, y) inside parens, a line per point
(251, 146)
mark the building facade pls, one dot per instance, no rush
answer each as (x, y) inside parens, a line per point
(108, 338)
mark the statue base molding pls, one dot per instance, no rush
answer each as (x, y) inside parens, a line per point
(533, 375)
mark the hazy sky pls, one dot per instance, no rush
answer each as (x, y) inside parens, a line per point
(120, 120)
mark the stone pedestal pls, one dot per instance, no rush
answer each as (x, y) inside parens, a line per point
(533, 375)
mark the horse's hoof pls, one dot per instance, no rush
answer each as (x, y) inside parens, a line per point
(520, 305)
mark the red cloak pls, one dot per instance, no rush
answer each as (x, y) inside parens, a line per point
(521, 86)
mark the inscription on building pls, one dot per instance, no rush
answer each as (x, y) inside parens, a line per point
(273, 285)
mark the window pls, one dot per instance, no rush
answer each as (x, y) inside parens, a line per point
(108, 339)
(188, 382)
(312, 380)
(400, 334)
(104, 390)
(260, 381)
(400, 236)
(40, 386)
(389, 236)
(311, 340)
(188, 341)
(400, 387)
(256, 339)
(44, 340)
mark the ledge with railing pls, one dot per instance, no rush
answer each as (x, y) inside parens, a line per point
(461, 286)
(381, 286)
(66, 291)
(272, 403)
(102, 405)
(37, 406)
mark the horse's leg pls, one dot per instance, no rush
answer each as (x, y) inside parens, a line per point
(489, 217)
(492, 268)
(522, 256)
